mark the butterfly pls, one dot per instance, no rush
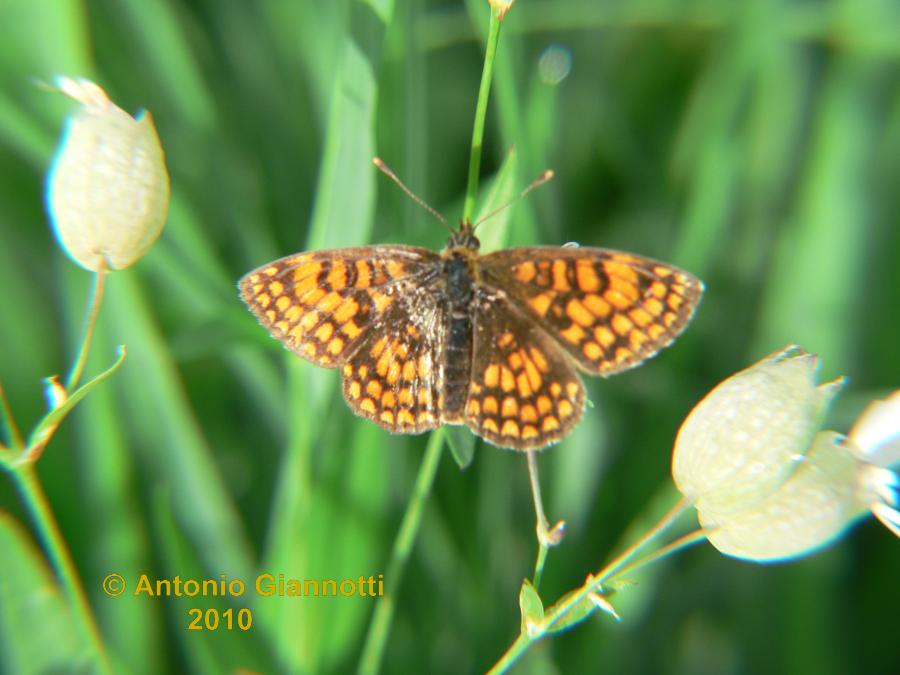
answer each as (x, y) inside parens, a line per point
(492, 341)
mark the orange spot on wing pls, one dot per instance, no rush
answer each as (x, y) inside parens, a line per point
(492, 376)
(395, 268)
(621, 324)
(363, 274)
(524, 272)
(351, 330)
(325, 331)
(560, 282)
(544, 405)
(597, 305)
(586, 275)
(579, 313)
(540, 304)
(510, 428)
(507, 379)
(346, 311)
(654, 306)
(524, 386)
(656, 331)
(539, 360)
(509, 408)
(574, 334)
(617, 270)
(489, 405)
(592, 351)
(337, 275)
(329, 302)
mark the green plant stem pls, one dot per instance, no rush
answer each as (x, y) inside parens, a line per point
(484, 91)
(618, 566)
(542, 522)
(35, 499)
(661, 525)
(16, 442)
(379, 627)
(683, 542)
(539, 564)
(94, 300)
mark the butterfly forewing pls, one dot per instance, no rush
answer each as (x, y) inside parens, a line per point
(608, 309)
(322, 305)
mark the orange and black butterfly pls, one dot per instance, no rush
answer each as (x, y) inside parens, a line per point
(490, 341)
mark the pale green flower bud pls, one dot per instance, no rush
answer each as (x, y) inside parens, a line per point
(107, 189)
(766, 483)
(501, 7)
(743, 440)
(809, 510)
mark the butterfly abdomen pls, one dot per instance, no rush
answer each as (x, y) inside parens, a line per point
(458, 353)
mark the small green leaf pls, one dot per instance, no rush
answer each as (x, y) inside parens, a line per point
(578, 613)
(53, 418)
(462, 446)
(531, 607)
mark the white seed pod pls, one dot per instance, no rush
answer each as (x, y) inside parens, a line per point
(108, 188)
(809, 510)
(744, 439)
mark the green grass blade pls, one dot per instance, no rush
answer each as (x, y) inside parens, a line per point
(33, 613)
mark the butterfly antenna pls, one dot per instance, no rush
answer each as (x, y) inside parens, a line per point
(386, 170)
(536, 183)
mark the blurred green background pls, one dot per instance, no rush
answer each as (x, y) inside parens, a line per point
(756, 144)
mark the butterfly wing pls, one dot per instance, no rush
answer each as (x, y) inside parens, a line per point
(524, 392)
(368, 310)
(396, 376)
(321, 305)
(610, 310)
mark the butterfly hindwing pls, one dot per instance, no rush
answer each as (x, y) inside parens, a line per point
(524, 392)
(395, 378)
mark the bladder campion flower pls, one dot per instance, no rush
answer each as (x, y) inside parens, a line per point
(107, 189)
(766, 483)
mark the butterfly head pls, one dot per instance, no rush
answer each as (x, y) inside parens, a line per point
(464, 237)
